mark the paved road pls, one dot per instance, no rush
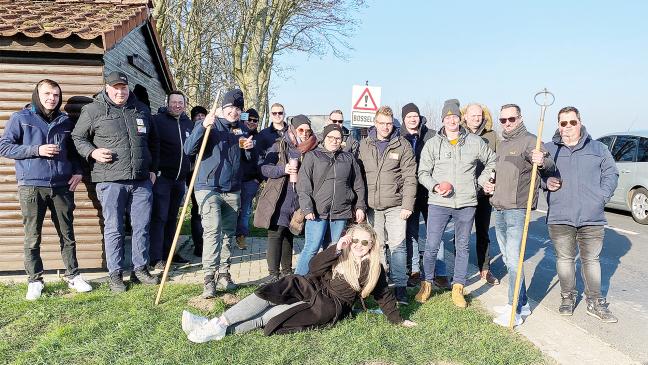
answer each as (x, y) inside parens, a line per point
(624, 280)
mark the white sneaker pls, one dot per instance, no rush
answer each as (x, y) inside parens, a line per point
(79, 284)
(191, 321)
(524, 311)
(34, 290)
(211, 331)
(504, 319)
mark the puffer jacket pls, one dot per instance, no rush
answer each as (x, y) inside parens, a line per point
(513, 171)
(589, 177)
(127, 131)
(336, 194)
(390, 177)
(441, 161)
(173, 132)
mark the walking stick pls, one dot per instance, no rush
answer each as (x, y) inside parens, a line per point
(186, 202)
(534, 172)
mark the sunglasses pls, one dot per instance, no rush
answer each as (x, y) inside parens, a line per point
(277, 113)
(563, 123)
(509, 119)
(337, 121)
(253, 120)
(363, 242)
(305, 131)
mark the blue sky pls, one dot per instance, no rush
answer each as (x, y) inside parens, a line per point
(592, 55)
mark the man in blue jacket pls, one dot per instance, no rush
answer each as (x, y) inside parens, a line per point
(586, 177)
(173, 127)
(48, 172)
(218, 187)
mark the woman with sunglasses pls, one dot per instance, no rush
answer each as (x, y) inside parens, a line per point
(278, 200)
(331, 191)
(338, 276)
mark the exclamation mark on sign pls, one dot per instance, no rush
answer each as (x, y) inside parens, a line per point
(366, 98)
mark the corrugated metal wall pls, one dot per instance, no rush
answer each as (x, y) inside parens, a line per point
(79, 82)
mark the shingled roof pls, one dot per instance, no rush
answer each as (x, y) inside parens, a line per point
(88, 19)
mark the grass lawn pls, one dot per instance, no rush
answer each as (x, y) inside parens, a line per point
(102, 328)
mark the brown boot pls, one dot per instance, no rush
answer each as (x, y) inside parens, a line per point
(489, 278)
(240, 242)
(442, 282)
(458, 296)
(424, 294)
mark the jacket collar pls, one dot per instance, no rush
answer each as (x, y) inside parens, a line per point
(557, 139)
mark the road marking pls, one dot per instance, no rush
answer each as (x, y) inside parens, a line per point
(606, 226)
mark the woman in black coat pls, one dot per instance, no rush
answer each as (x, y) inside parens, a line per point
(338, 275)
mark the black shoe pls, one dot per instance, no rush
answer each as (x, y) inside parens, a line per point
(160, 265)
(209, 288)
(567, 304)
(144, 277)
(272, 278)
(177, 259)
(414, 280)
(401, 295)
(116, 282)
(287, 272)
(224, 282)
(599, 308)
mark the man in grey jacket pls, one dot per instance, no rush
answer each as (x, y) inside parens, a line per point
(585, 180)
(516, 155)
(448, 170)
(116, 135)
(390, 170)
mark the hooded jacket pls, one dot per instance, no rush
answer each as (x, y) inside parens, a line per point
(589, 177)
(456, 164)
(127, 131)
(173, 132)
(390, 176)
(336, 194)
(27, 130)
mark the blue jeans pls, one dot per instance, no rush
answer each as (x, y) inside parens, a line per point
(509, 224)
(117, 198)
(438, 219)
(416, 245)
(167, 198)
(315, 231)
(248, 191)
(390, 229)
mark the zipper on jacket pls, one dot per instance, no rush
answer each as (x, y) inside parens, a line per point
(130, 148)
(181, 150)
(333, 197)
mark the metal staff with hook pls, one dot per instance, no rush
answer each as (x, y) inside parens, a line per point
(534, 172)
(212, 112)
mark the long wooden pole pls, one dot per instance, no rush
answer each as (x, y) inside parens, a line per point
(212, 112)
(527, 218)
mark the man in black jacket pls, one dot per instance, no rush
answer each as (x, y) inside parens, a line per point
(116, 136)
(173, 126)
(251, 178)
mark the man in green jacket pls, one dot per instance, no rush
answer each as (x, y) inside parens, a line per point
(390, 170)
(448, 170)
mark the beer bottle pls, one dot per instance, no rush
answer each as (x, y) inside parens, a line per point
(491, 179)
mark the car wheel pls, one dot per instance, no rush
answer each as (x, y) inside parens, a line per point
(639, 205)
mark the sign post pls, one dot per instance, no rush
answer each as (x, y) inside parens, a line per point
(365, 101)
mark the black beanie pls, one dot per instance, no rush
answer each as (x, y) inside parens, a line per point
(450, 107)
(253, 113)
(197, 110)
(234, 98)
(408, 108)
(300, 119)
(330, 128)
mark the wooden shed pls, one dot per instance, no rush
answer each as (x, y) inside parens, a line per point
(74, 42)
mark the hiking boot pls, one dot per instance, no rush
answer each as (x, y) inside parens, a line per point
(599, 308)
(79, 284)
(191, 321)
(34, 290)
(458, 296)
(240, 242)
(116, 282)
(567, 304)
(209, 289)
(442, 282)
(210, 331)
(177, 259)
(414, 279)
(401, 295)
(224, 282)
(424, 293)
(489, 278)
(143, 276)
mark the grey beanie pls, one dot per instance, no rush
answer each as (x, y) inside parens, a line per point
(450, 107)
(300, 119)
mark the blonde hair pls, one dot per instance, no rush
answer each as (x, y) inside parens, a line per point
(349, 269)
(384, 110)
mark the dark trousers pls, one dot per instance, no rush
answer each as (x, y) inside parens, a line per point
(279, 250)
(34, 201)
(196, 224)
(482, 225)
(168, 195)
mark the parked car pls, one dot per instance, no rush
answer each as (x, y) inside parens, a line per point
(630, 151)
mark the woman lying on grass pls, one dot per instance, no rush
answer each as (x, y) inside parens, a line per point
(297, 303)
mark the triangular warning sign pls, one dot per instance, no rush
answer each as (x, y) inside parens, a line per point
(365, 101)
